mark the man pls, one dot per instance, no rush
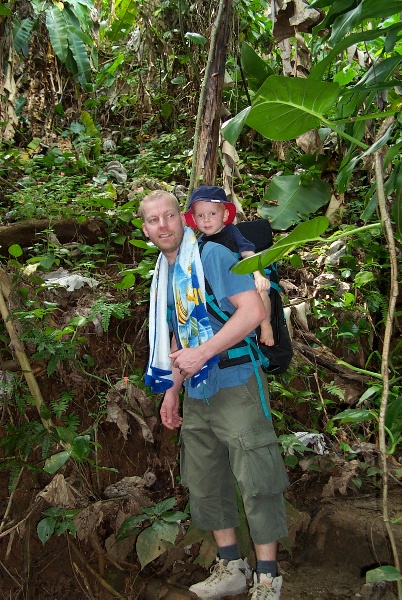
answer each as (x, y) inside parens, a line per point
(226, 438)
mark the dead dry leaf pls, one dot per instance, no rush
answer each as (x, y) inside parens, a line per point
(88, 520)
(60, 493)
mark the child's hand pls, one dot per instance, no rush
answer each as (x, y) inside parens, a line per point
(261, 283)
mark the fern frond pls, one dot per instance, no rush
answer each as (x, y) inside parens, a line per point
(106, 310)
(335, 390)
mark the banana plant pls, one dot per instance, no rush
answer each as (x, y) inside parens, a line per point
(283, 108)
(69, 26)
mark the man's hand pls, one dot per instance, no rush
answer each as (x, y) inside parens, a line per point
(189, 360)
(261, 283)
(169, 410)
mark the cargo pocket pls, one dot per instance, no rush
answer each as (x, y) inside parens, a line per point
(262, 466)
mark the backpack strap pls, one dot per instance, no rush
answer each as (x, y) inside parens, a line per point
(246, 350)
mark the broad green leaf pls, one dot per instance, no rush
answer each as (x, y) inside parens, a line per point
(173, 517)
(127, 15)
(80, 55)
(232, 128)
(130, 526)
(166, 531)
(15, 250)
(254, 67)
(286, 107)
(56, 25)
(302, 233)
(197, 38)
(363, 278)
(45, 529)
(126, 283)
(22, 34)
(355, 415)
(161, 507)
(54, 511)
(386, 573)
(149, 546)
(104, 202)
(144, 245)
(394, 412)
(166, 109)
(288, 198)
(56, 461)
(367, 9)
(374, 389)
(80, 447)
(392, 152)
(82, 12)
(78, 321)
(5, 11)
(66, 525)
(179, 80)
(319, 69)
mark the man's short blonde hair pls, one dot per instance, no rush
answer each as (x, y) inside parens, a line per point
(157, 195)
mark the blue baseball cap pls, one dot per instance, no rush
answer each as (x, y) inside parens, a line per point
(209, 193)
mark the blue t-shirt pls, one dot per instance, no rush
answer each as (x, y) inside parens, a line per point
(217, 262)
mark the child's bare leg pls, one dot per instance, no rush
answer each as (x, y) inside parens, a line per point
(267, 335)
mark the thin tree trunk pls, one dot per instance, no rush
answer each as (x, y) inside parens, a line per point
(206, 138)
(389, 235)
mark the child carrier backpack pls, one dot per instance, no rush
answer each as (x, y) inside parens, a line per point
(274, 359)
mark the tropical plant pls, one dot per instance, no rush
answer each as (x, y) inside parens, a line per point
(158, 528)
(69, 28)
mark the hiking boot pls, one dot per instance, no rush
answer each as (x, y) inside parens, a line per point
(266, 587)
(226, 579)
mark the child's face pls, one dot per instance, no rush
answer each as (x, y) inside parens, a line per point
(210, 217)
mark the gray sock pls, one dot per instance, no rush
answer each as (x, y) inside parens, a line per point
(267, 566)
(229, 552)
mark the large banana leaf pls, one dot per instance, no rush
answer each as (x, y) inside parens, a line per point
(289, 198)
(304, 232)
(255, 68)
(22, 34)
(127, 16)
(232, 128)
(367, 88)
(82, 10)
(318, 70)
(80, 55)
(286, 107)
(56, 25)
(367, 9)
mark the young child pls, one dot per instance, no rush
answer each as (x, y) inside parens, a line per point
(211, 212)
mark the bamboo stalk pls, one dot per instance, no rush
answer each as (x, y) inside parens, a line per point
(19, 351)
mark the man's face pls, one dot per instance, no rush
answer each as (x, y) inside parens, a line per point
(163, 225)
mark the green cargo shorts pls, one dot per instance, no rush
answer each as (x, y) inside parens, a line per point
(227, 439)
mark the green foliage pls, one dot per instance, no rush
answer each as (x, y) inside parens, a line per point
(69, 27)
(158, 527)
(109, 309)
(57, 520)
(289, 199)
(302, 233)
(386, 573)
(166, 157)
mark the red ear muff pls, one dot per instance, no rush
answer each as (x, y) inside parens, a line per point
(190, 219)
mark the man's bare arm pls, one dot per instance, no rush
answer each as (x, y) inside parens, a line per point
(169, 409)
